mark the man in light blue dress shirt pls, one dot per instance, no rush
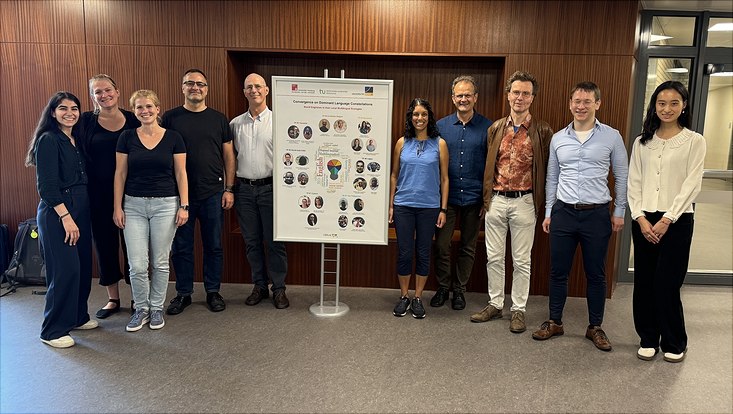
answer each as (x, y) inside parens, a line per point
(577, 208)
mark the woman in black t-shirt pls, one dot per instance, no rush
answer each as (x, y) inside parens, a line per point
(63, 220)
(98, 132)
(151, 201)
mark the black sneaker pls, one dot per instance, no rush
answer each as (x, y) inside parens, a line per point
(402, 306)
(418, 311)
(178, 304)
(439, 298)
(215, 302)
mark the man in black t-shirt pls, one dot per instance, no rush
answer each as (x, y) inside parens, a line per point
(210, 165)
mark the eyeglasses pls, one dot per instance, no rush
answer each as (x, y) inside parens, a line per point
(191, 84)
(465, 96)
(524, 94)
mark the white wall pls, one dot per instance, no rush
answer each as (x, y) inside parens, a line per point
(718, 128)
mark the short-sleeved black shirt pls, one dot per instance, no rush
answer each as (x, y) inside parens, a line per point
(204, 134)
(98, 146)
(150, 172)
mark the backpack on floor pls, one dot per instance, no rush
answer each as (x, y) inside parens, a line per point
(26, 267)
(5, 248)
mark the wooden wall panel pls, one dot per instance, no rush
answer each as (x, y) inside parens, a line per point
(50, 45)
(161, 69)
(30, 74)
(42, 21)
(158, 23)
(408, 73)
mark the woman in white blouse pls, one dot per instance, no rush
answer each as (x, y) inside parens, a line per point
(665, 176)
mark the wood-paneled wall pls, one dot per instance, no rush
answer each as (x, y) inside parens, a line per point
(57, 45)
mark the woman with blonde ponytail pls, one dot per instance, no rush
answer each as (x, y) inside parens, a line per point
(98, 132)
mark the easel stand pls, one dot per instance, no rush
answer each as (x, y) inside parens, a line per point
(330, 265)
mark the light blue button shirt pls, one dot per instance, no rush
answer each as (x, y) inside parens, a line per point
(577, 173)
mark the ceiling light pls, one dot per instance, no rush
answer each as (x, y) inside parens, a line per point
(721, 27)
(722, 74)
(677, 70)
(656, 38)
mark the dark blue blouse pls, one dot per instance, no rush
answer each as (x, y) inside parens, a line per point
(59, 165)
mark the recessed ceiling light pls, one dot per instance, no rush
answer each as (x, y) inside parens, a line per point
(656, 38)
(721, 27)
(677, 70)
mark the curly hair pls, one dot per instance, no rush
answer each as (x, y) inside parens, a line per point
(410, 128)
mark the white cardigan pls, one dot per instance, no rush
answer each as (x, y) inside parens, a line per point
(666, 175)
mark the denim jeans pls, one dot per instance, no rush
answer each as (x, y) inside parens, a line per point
(210, 216)
(415, 228)
(592, 230)
(254, 211)
(517, 216)
(150, 224)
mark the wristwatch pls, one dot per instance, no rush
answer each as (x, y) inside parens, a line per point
(183, 207)
(444, 210)
(229, 189)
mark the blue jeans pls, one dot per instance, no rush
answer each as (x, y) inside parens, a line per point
(415, 228)
(254, 211)
(150, 224)
(591, 229)
(210, 215)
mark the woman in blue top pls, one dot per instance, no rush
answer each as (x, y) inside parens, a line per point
(151, 201)
(63, 220)
(418, 199)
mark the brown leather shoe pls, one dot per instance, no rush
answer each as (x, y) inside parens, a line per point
(547, 330)
(256, 296)
(517, 324)
(280, 299)
(599, 338)
(488, 313)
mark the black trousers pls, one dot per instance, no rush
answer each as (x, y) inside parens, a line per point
(659, 271)
(107, 236)
(68, 268)
(591, 229)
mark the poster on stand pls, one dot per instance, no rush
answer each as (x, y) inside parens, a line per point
(332, 147)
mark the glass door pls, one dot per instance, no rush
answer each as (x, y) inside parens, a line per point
(695, 49)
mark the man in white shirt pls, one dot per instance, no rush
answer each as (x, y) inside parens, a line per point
(252, 133)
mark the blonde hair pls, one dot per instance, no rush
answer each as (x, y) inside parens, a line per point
(144, 93)
(99, 77)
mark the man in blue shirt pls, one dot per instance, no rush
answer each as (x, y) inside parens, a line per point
(577, 210)
(465, 133)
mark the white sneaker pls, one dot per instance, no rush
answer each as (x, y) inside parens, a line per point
(91, 324)
(670, 357)
(646, 354)
(64, 342)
